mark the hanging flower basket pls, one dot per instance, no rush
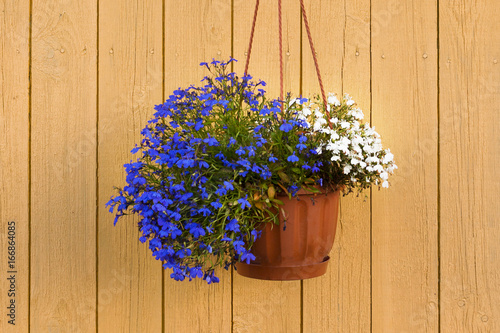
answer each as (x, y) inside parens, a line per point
(205, 178)
(211, 161)
(298, 247)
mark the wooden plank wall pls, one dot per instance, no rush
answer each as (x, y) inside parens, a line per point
(80, 79)
(404, 110)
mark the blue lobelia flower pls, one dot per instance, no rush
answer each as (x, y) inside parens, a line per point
(247, 257)
(205, 211)
(239, 246)
(240, 151)
(286, 127)
(183, 253)
(195, 229)
(244, 202)
(293, 189)
(229, 186)
(196, 272)
(135, 150)
(203, 164)
(258, 128)
(211, 278)
(177, 275)
(256, 234)
(265, 111)
(226, 238)
(211, 141)
(216, 204)
(306, 166)
(221, 191)
(292, 158)
(272, 159)
(301, 146)
(233, 225)
(199, 125)
(251, 151)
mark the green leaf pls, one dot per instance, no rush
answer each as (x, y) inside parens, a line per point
(279, 202)
(284, 177)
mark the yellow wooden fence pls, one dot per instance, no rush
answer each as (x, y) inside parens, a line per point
(80, 78)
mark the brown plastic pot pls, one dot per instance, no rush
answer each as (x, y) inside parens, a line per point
(299, 251)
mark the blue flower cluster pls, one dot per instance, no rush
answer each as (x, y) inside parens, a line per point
(205, 162)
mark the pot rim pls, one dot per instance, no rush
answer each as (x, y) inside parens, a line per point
(324, 190)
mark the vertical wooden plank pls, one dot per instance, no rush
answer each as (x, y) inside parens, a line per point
(129, 296)
(340, 300)
(63, 166)
(404, 217)
(267, 306)
(196, 31)
(470, 154)
(14, 159)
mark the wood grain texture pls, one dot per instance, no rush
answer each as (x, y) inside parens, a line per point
(340, 300)
(196, 31)
(446, 141)
(469, 157)
(63, 166)
(267, 306)
(129, 296)
(14, 161)
(404, 217)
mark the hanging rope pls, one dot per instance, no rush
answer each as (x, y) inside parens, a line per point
(281, 53)
(280, 34)
(251, 36)
(313, 52)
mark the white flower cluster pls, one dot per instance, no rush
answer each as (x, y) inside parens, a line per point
(355, 147)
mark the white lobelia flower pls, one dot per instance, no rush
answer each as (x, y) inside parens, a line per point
(347, 169)
(388, 157)
(332, 99)
(385, 184)
(345, 124)
(391, 168)
(331, 146)
(318, 113)
(345, 141)
(356, 140)
(348, 100)
(369, 149)
(306, 112)
(334, 136)
(317, 126)
(357, 113)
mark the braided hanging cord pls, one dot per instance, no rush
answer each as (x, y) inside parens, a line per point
(280, 53)
(251, 36)
(280, 36)
(306, 23)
